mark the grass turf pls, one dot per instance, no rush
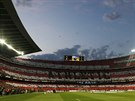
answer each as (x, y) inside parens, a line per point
(78, 96)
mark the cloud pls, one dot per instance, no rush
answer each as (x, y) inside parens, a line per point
(111, 16)
(124, 44)
(112, 3)
(120, 8)
(59, 54)
(128, 41)
(120, 4)
(32, 3)
(99, 53)
(27, 3)
(85, 52)
(67, 51)
(115, 5)
(89, 54)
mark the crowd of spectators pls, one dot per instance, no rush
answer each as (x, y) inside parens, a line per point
(39, 71)
(68, 87)
(32, 73)
(6, 89)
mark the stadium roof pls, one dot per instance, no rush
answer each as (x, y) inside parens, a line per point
(13, 32)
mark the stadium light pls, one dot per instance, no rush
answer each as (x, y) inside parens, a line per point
(2, 41)
(10, 47)
(133, 50)
(22, 53)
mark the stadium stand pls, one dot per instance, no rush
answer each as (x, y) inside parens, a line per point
(61, 75)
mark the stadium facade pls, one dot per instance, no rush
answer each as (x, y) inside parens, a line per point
(18, 75)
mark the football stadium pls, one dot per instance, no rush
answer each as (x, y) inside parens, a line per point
(73, 79)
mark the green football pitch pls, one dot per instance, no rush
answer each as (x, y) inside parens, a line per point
(78, 96)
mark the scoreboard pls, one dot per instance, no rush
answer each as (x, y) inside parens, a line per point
(73, 58)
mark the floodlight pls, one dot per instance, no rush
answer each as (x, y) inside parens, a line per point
(22, 53)
(2, 41)
(10, 47)
(133, 50)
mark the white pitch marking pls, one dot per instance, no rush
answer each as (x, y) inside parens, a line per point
(78, 100)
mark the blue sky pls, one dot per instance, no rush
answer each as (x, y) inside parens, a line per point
(79, 26)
